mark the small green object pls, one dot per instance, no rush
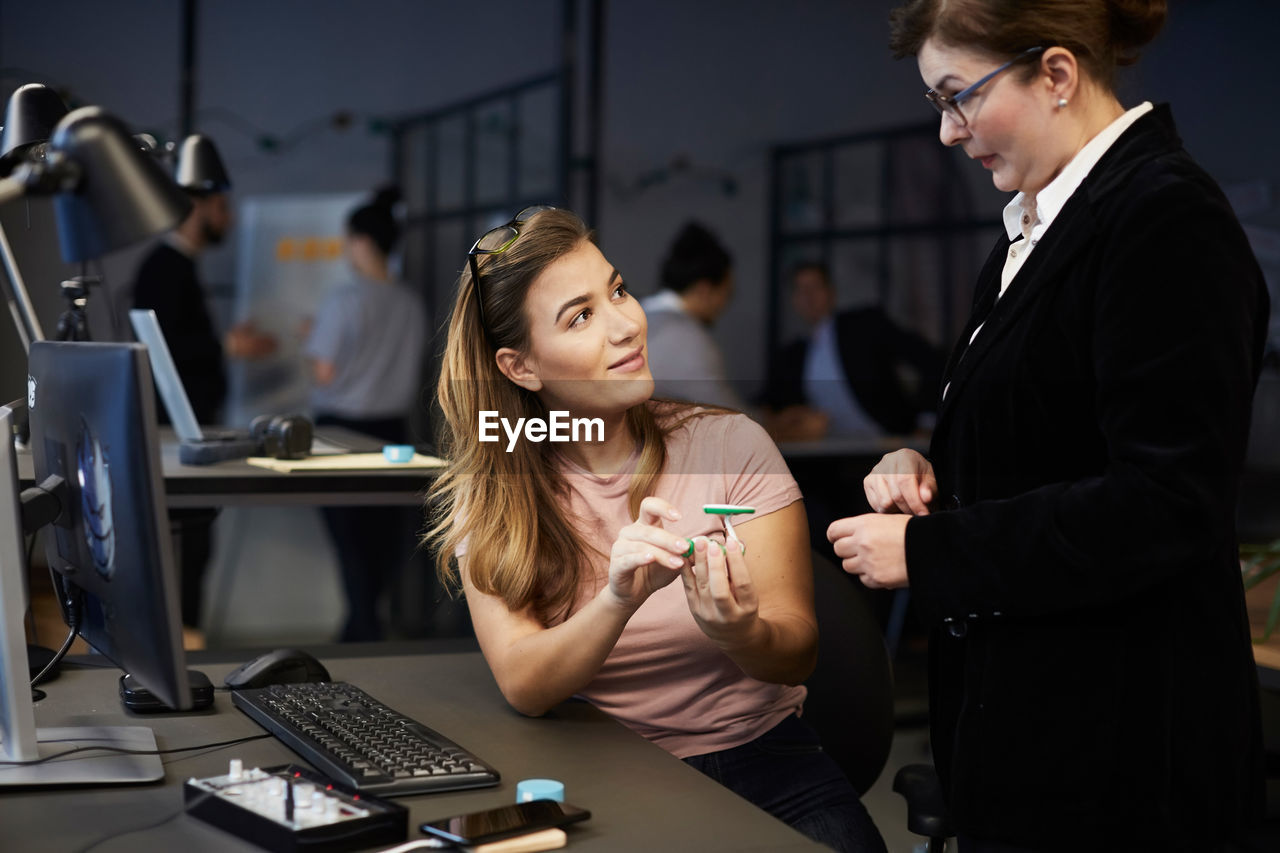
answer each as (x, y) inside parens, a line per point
(689, 553)
(724, 511)
(727, 509)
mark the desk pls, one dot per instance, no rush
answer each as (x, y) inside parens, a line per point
(237, 483)
(291, 541)
(641, 798)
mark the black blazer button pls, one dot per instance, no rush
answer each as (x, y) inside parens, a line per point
(957, 628)
(953, 502)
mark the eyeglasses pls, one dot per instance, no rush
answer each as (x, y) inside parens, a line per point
(949, 105)
(494, 242)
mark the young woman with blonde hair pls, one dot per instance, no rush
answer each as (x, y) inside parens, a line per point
(569, 553)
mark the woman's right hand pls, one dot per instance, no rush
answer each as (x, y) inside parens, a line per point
(644, 557)
(902, 481)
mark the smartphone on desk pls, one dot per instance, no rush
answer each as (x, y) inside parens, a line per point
(475, 828)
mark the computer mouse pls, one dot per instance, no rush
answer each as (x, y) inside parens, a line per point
(282, 666)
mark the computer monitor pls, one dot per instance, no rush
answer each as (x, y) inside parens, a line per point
(93, 425)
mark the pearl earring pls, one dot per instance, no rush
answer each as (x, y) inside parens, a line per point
(1062, 102)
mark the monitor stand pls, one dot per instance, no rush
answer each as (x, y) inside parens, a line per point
(38, 658)
(85, 767)
(20, 740)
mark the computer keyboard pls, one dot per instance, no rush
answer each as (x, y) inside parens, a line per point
(353, 738)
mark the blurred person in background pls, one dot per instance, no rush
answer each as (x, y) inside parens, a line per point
(365, 350)
(697, 283)
(855, 374)
(168, 283)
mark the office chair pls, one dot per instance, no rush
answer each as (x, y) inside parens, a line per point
(850, 701)
(926, 809)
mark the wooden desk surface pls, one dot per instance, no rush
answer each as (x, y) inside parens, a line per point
(641, 798)
(237, 483)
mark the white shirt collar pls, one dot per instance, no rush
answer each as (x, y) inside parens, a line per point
(1046, 204)
(664, 300)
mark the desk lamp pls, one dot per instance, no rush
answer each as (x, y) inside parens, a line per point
(30, 117)
(199, 168)
(111, 194)
(108, 194)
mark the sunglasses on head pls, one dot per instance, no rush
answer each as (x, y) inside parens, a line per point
(494, 242)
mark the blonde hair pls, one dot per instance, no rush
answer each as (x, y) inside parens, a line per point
(507, 507)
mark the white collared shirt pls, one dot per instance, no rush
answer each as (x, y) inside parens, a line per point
(664, 300)
(1026, 218)
(684, 358)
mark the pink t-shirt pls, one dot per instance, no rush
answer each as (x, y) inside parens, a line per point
(664, 678)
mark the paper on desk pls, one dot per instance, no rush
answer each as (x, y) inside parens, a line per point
(345, 462)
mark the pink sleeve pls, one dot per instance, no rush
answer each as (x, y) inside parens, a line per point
(755, 472)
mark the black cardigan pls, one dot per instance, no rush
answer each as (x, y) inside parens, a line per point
(1091, 673)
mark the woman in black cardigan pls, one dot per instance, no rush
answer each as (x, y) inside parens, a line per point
(1071, 536)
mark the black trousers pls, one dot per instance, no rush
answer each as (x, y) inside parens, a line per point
(193, 532)
(372, 542)
(785, 772)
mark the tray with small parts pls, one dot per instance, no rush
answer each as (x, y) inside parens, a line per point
(290, 808)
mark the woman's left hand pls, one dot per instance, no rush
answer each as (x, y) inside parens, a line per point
(721, 596)
(872, 547)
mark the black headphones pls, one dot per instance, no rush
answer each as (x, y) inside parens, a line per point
(282, 436)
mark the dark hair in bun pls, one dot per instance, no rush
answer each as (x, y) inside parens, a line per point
(377, 221)
(1134, 24)
(1103, 34)
(695, 254)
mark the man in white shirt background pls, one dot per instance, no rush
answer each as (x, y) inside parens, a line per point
(697, 283)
